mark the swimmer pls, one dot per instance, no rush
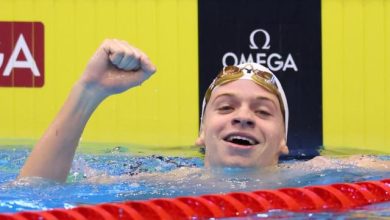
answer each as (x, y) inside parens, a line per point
(244, 116)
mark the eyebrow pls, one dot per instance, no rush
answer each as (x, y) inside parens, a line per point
(261, 98)
(222, 95)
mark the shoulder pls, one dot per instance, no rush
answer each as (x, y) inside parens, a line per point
(335, 162)
(179, 173)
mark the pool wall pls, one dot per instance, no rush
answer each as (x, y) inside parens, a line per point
(164, 111)
(356, 74)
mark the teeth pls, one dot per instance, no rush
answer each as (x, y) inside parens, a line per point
(231, 138)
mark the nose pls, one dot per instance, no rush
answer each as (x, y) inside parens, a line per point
(244, 122)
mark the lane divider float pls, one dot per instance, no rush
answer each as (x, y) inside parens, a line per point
(333, 197)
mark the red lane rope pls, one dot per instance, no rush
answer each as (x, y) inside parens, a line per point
(333, 197)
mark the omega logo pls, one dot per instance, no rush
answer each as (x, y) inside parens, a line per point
(253, 44)
(274, 61)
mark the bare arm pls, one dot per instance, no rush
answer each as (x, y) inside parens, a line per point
(329, 162)
(370, 162)
(115, 67)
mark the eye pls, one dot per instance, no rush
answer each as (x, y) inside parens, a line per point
(263, 113)
(225, 109)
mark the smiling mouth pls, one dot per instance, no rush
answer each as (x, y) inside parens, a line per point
(241, 140)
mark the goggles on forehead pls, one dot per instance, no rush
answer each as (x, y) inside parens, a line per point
(259, 75)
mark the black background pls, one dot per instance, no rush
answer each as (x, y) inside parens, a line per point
(294, 27)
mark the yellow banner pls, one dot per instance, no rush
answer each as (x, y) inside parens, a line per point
(162, 112)
(356, 74)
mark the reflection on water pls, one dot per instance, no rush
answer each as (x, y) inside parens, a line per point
(119, 175)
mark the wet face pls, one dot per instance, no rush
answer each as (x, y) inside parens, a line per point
(242, 126)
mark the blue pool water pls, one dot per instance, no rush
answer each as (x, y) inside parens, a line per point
(120, 176)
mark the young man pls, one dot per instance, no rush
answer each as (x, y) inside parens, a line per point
(244, 118)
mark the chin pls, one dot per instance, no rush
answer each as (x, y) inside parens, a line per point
(240, 163)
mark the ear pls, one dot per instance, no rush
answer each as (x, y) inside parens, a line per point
(283, 147)
(200, 140)
(284, 150)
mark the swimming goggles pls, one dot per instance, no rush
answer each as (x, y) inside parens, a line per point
(259, 75)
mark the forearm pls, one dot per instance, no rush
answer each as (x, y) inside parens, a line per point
(370, 162)
(52, 156)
